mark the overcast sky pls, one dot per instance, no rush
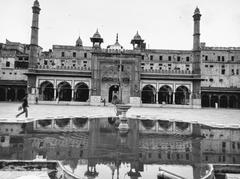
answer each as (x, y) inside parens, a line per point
(163, 24)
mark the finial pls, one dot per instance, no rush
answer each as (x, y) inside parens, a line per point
(197, 11)
(117, 38)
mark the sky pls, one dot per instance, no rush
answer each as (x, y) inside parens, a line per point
(163, 24)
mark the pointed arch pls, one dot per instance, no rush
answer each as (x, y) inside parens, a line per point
(233, 101)
(223, 102)
(182, 95)
(46, 91)
(81, 92)
(205, 100)
(165, 95)
(64, 91)
(148, 94)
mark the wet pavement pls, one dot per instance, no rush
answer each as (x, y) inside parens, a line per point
(205, 115)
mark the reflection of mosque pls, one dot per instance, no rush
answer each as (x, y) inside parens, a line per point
(103, 145)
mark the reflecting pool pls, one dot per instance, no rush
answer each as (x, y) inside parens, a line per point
(95, 147)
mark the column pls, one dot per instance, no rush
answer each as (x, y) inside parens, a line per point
(72, 95)
(228, 98)
(156, 97)
(55, 94)
(209, 100)
(173, 98)
(190, 99)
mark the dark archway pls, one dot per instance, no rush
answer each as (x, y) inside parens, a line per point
(205, 100)
(214, 99)
(64, 91)
(165, 95)
(2, 94)
(223, 102)
(182, 95)
(233, 101)
(113, 94)
(81, 92)
(46, 91)
(148, 94)
(10, 94)
(20, 94)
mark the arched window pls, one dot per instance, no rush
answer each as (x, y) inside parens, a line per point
(64, 91)
(46, 91)
(165, 95)
(81, 92)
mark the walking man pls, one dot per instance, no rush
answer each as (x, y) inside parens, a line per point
(24, 107)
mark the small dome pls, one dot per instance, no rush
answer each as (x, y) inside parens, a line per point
(79, 42)
(197, 11)
(115, 46)
(97, 35)
(36, 3)
(137, 37)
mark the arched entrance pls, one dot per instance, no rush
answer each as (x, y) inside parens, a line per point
(81, 92)
(46, 91)
(20, 94)
(223, 102)
(214, 99)
(113, 94)
(205, 100)
(233, 101)
(2, 94)
(10, 94)
(182, 95)
(64, 91)
(148, 94)
(165, 95)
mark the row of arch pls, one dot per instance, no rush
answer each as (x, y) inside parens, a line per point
(165, 95)
(63, 92)
(220, 100)
(12, 93)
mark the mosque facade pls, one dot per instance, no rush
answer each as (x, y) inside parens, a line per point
(200, 77)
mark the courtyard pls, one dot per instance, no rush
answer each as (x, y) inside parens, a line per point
(226, 117)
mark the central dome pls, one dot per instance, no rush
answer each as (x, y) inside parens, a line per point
(115, 46)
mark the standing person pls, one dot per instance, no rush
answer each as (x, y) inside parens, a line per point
(24, 107)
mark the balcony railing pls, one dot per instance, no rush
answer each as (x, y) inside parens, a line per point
(63, 68)
(166, 71)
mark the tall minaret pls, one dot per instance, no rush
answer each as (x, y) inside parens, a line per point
(196, 65)
(196, 42)
(33, 56)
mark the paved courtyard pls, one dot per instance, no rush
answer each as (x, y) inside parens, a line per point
(206, 115)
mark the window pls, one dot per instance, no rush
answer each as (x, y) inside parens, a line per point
(74, 54)
(169, 65)
(151, 57)
(85, 62)
(237, 72)
(187, 156)
(159, 155)
(151, 67)
(142, 57)
(223, 58)
(149, 155)
(232, 71)
(3, 72)
(63, 54)
(233, 145)
(211, 80)
(178, 156)
(223, 71)
(168, 156)
(142, 64)
(160, 58)
(221, 80)
(206, 158)
(169, 58)
(206, 58)
(211, 66)
(187, 59)
(232, 58)
(178, 58)
(140, 155)
(7, 64)
(206, 66)
(85, 55)
(219, 58)
(45, 62)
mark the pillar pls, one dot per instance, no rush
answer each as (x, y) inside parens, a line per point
(173, 98)
(209, 100)
(6, 92)
(156, 97)
(72, 95)
(16, 94)
(190, 99)
(55, 94)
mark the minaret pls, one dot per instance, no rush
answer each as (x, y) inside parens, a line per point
(196, 42)
(34, 36)
(196, 65)
(96, 40)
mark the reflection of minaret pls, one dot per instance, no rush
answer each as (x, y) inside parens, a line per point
(113, 168)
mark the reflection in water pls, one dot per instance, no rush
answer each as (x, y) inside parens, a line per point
(101, 152)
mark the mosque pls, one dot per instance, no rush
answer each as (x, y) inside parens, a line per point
(88, 75)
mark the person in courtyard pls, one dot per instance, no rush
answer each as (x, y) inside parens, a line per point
(24, 107)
